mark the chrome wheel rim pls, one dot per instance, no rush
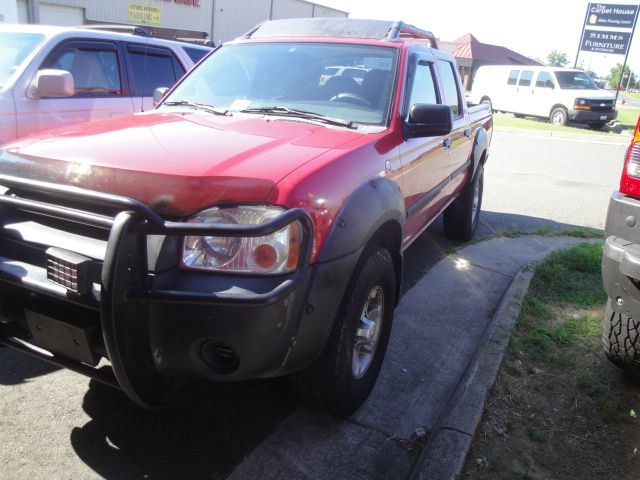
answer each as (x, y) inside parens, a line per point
(368, 332)
(558, 118)
(476, 201)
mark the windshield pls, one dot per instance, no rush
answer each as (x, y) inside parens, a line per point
(310, 77)
(575, 81)
(14, 48)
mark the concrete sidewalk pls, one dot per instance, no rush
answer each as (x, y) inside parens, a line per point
(435, 347)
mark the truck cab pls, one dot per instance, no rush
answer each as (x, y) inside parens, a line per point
(251, 226)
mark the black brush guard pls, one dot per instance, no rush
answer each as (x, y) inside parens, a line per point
(124, 276)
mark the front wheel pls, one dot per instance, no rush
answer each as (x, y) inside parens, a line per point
(461, 217)
(621, 339)
(342, 378)
(559, 116)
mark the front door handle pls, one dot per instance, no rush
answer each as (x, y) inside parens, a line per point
(446, 143)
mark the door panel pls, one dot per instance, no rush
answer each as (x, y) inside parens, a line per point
(524, 93)
(95, 67)
(543, 93)
(508, 90)
(424, 160)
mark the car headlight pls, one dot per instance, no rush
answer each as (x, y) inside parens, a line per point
(272, 254)
(581, 104)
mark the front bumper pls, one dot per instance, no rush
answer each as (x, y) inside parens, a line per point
(151, 319)
(621, 255)
(592, 116)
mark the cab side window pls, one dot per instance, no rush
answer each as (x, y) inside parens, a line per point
(525, 78)
(94, 66)
(423, 87)
(450, 87)
(513, 77)
(545, 80)
(152, 67)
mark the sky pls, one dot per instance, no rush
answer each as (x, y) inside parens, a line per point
(531, 28)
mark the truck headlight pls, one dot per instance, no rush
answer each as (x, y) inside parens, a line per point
(272, 254)
(581, 104)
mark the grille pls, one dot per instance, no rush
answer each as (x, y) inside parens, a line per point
(68, 270)
(601, 105)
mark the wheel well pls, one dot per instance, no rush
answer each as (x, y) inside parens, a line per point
(389, 237)
(558, 105)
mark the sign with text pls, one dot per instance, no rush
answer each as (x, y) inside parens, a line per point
(605, 41)
(146, 13)
(608, 15)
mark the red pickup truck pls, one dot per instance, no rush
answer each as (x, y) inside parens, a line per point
(252, 225)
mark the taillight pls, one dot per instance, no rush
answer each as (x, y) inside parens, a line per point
(630, 181)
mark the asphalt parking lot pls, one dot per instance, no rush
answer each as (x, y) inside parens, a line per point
(56, 424)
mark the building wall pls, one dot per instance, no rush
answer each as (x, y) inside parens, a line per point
(223, 20)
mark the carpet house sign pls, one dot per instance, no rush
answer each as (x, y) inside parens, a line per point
(608, 28)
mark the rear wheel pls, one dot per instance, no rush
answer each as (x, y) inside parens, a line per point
(342, 378)
(461, 217)
(559, 116)
(518, 115)
(621, 339)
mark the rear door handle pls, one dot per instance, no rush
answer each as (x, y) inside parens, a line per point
(446, 143)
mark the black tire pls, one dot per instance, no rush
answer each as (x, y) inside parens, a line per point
(518, 115)
(597, 126)
(620, 338)
(460, 218)
(559, 116)
(330, 383)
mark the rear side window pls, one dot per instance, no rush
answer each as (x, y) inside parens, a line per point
(449, 86)
(543, 78)
(525, 78)
(152, 67)
(513, 77)
(423, 89)
(94, 66)
(195, 54)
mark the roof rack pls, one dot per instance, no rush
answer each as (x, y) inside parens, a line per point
(341, 27)
(131, 29)
(404, 31)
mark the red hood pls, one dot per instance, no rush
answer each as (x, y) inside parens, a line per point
(177, 163)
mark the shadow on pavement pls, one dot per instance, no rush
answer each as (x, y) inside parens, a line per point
(203, 433)
(17, 367)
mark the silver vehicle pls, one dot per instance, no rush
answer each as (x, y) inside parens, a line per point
(56, 76)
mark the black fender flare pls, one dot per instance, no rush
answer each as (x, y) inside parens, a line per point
(480, 147)
(366, 210)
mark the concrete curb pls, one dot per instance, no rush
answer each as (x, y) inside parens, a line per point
(585, 137)
(444, 455)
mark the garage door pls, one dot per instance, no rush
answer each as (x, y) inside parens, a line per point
(61, 15)
(23, 12)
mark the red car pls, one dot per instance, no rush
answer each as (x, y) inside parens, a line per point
(252, 225)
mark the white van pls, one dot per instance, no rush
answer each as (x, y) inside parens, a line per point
(56, 76)
(559, 94)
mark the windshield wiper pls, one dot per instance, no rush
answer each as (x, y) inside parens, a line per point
(293, 112)
(199, 106)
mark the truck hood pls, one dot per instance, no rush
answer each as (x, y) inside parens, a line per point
(590, 94)
(177, 163)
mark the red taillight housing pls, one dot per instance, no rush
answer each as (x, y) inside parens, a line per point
(630, 181)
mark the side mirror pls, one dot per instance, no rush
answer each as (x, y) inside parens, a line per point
(429, 120)
(50, 82)
(158, 95)
(549, 84)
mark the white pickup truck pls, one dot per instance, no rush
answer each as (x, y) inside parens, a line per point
(54, 76)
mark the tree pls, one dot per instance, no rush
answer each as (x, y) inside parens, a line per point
(614, 76)
(557, 59)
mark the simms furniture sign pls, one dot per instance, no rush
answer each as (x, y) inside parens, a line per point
(608, 15)
(605, 41)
